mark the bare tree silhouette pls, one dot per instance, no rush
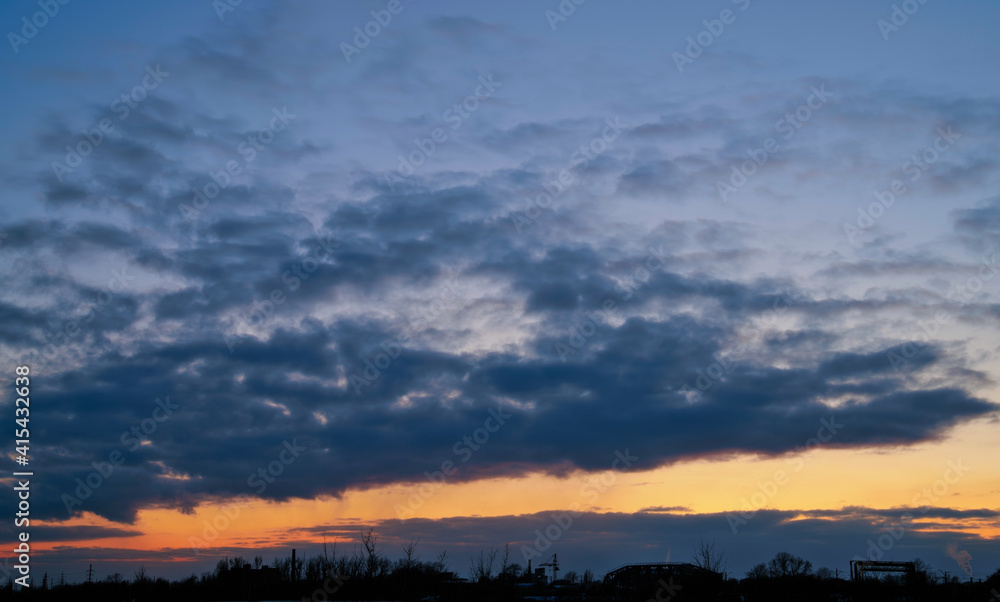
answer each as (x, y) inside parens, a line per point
(708, 557)
(482, 568)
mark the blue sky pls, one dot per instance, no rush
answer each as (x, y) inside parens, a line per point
(726, 208)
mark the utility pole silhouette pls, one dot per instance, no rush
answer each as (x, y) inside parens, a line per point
(90, 574)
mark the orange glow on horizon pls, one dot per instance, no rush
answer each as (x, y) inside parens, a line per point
(826, 479)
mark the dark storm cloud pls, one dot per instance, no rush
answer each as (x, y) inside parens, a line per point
(238, 408)
(240, 398)
(290, 379)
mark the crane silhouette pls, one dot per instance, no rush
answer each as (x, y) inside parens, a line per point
(554, 563)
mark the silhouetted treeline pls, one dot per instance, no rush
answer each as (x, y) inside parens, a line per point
(367, 573)
(790, 578)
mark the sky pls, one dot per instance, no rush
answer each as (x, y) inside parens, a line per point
(597, 279)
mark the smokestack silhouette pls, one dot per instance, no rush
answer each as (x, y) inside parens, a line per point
(293, 566)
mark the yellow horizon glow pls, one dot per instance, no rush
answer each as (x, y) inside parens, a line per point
(827, 479)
